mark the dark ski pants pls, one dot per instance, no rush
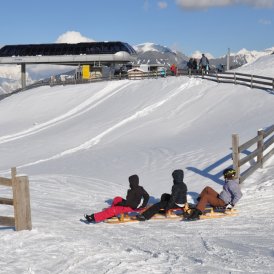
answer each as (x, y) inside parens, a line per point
(209, 196)
(160, 205)
(113, 210)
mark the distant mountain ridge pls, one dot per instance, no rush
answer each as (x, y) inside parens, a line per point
(150, 53)
(253, 55)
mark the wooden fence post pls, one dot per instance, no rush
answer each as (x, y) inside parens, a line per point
(235, 79)
(21, 200)
(235, 154)
(251, 82)
(260, 147)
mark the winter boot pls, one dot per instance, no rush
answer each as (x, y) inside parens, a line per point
(90, 218)
(140, 218)
(195, 215)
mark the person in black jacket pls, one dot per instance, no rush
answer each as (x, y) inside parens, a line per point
(119, 205)
(190, 66)
(176, 199)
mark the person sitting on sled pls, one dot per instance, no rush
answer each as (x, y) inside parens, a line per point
(119, 205)
(176, 199)
(228, 198)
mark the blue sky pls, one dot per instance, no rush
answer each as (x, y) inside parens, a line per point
(210, 26)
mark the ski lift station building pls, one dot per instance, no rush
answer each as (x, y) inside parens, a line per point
(88, 53)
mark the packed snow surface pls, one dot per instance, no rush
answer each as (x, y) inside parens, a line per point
(79, 144)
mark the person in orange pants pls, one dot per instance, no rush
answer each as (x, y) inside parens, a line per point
(209, 196)
(229, 196)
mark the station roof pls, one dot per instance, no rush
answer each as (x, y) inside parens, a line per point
(63, 53)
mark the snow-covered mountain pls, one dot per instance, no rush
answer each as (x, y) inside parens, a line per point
(242, 57)
(10, 75)
(252, 55)
(141, 48)
(10, 78)
(150, 53)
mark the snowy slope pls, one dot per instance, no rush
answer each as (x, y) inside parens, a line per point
(79, 144)
(259, 67)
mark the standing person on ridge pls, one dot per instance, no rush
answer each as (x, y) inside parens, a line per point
(228, 198)
(119, 205)
(173, 69)
(195, 66)
(190, 66)
(177, 198)
(204, 63)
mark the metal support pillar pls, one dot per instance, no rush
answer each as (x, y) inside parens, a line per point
(23, 75)
(228, 59)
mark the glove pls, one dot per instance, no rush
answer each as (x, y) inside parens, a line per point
(229, 206)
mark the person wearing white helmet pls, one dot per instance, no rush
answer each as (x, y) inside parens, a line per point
(228, 197)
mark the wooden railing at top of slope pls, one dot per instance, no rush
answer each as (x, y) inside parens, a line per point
(264, 140)
(20, 202)
(252, 81)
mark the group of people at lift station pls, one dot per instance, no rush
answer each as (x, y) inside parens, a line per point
(226, 199)
(202, 67)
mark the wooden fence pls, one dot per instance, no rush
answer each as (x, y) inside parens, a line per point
(20, 202)
(252, 81)
(264, 139)
(145, 75)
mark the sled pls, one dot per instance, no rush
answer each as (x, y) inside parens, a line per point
(130, 217)
(175, 213)
(126, 217)
(218, 212)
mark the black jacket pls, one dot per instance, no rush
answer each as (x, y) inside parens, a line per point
(135, 194)
(179, 189)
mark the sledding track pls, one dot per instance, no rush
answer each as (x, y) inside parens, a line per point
(85, 107)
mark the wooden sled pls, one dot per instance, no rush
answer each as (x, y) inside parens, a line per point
(172, 214)
(212, 213)
(126, 217)
(130, 217)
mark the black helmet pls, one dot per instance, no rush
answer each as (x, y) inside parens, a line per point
(229, 172)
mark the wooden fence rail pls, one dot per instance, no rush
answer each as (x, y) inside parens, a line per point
(264, 139)
(145, 75)
(20, 202)
(252, 81)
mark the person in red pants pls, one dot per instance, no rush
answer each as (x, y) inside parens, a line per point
(229, 196)
(119, 205)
